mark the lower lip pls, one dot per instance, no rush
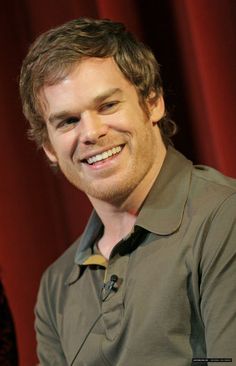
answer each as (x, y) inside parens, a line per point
(103, 164)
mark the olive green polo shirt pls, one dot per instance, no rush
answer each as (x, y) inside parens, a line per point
(174, 298)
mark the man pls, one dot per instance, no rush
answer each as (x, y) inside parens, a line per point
(152, 279)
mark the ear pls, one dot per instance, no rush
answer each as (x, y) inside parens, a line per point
(156, 106)
(49, 151)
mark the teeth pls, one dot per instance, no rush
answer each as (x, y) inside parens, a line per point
(104, 155)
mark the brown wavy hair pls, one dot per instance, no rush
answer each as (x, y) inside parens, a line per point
(54, 53)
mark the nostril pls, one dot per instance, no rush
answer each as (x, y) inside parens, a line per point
(91, 137)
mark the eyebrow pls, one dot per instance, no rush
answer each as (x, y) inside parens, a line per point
(97, 100)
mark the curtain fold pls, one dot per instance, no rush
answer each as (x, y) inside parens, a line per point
(40, 213)
(126, 11)
(206, 37)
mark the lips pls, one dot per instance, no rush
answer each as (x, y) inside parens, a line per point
(104, 155)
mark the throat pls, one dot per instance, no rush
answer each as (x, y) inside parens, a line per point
(111, 237)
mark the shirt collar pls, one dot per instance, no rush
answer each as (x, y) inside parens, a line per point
(162, 210)
(85, 246)
(90, 235)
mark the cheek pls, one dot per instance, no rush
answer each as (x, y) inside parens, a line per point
(64, 145)
(125, 120)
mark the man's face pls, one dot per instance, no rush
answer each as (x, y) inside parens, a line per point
(98, 133)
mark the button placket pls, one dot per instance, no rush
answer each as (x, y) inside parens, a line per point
(112, 306)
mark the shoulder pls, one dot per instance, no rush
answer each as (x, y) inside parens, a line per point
(210, 188)
(213, 177)
(211, 208)
(53, 285)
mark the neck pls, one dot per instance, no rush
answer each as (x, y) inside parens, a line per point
(119, 219)
(117, 224)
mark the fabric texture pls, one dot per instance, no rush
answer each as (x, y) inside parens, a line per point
(8, 344)
(175, 295)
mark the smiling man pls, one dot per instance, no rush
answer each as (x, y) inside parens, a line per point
(99, 133)
(152, 278)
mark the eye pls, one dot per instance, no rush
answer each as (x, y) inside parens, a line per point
(71, 120)
(68, 122)
(109, 106)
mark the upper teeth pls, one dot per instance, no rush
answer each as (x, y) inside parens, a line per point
(104, 155)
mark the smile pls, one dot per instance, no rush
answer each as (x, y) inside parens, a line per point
(105, 155)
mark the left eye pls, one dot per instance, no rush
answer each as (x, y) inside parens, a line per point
(108, 106)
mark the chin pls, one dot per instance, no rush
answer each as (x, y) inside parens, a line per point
(114, 194)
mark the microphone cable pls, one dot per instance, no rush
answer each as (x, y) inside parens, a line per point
(107, 288)
(90, 330)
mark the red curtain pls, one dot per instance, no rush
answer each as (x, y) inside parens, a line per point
(206, 37)
(40, 213)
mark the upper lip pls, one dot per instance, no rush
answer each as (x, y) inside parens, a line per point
(97, 152)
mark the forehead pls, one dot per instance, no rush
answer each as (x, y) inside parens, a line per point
(91, 75)
(85, 81)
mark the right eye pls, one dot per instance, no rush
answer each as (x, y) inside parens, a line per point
(68, 122)
(71, 120)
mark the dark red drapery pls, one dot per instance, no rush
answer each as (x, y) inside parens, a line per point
(40, 214)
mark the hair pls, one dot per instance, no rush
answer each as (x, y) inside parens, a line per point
(54, 53)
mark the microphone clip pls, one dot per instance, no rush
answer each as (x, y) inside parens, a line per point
(109, 286)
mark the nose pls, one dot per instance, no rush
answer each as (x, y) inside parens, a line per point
(92, 128)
